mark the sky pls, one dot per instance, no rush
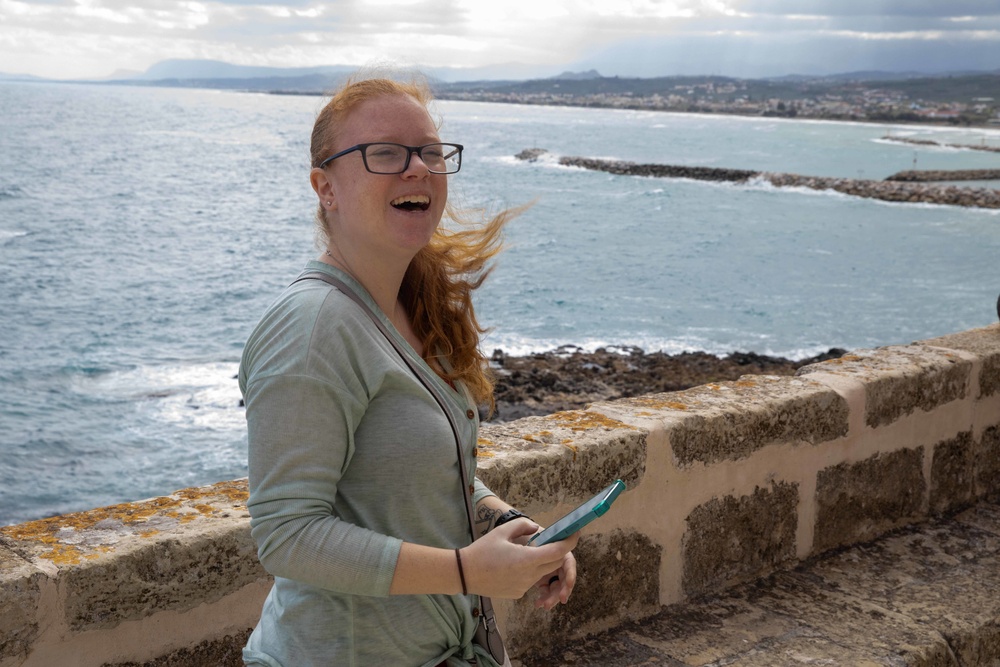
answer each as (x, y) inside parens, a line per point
(71, 39)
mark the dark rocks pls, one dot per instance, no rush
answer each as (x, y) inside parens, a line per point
(660, 170)
(568, 378)
(926, 175)
(928, 142)
(531, 154)
(894, 190)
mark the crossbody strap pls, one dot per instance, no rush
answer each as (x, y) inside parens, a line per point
(487, 632)
(417, 371)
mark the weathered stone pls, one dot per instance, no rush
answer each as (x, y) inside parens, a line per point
(985, 344)
(731, 540)
(901, 379)
(988, 465)
(565, 457)
(617, 579)
(860, 501)
(943, 576)
(953, 474)
(925, 597)
(128, 561)
(224, 652)
(20, 593)
(731, 420)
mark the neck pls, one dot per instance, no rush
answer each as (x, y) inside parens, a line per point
(382, 282)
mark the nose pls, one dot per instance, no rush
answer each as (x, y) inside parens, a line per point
(416, 165)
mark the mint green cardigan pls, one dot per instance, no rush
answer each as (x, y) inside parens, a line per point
(349, 457)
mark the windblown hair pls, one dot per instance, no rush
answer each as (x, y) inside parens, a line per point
(438, 285)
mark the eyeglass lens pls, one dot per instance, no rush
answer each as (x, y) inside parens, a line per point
(394, 158)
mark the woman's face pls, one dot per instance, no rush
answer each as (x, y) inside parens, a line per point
(382, 216)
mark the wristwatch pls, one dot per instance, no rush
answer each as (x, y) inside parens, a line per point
(509, 515)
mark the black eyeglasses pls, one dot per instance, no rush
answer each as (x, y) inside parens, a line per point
(387, 158)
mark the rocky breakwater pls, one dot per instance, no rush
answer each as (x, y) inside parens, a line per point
(925, 175)
(894, 191)
(927, 142)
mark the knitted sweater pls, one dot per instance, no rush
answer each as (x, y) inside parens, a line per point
(349, 456)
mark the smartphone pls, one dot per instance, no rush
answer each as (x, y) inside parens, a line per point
(579, 517)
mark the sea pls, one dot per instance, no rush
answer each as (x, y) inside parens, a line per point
(144, 230)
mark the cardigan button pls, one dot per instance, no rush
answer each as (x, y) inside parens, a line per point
(472, 489)
(470, 413)
(475, 451)
(475, 612)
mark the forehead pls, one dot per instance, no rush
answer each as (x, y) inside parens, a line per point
(398, 118)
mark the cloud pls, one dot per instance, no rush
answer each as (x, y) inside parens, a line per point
(90, 38)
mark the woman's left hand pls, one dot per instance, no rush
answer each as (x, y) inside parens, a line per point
(556, 587)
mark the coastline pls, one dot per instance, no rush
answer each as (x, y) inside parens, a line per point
(568, 378)
(826, 118)
(929, 123)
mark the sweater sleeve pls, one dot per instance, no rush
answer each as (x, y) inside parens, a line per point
(300, 433)
(481, 491)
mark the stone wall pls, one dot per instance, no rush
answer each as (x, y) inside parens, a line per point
(727, 483)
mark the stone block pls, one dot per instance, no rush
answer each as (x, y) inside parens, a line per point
(734, 539)
(860, 501)
(537, 463)
(20, 592)
(129, 561)
(988, 465)
(618, 578)
(944, 577)
(953, 474)
(902, 379)
(732, 420)
(224, 652)
(984, 343)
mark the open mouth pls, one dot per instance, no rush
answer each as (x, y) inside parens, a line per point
(412, 203)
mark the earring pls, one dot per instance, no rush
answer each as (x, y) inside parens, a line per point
(328, 203)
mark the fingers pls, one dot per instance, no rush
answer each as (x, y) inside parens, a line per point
(499, 565)
(555, 588)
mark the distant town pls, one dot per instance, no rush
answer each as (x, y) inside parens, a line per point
(960, 99)
(970, 100)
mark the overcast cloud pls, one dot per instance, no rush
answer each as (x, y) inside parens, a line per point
(94, 38)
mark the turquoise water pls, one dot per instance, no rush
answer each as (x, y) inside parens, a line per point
(143, 231)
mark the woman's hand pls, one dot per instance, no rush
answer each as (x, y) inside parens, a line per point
(499, 565)
(556, 587)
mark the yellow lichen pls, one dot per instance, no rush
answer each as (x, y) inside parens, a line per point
(584, 420)
(46, 532)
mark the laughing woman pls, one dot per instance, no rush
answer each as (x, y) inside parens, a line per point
(359, 381)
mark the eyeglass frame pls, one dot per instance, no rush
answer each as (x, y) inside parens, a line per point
(410, 150)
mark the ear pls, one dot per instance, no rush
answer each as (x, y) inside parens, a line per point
(323, 187)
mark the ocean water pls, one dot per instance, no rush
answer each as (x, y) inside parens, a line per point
(144, 230)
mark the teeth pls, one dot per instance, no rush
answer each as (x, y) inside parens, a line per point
(422, 200)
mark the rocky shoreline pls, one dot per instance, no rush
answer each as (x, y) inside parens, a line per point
(894, 191)
(569, 378)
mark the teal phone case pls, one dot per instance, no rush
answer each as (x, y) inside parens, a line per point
(579, 517)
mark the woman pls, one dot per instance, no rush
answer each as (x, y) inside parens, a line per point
(356, 499)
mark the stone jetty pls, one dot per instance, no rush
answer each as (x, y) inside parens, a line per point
(894, 191)
(928, 175)
(929, 142)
